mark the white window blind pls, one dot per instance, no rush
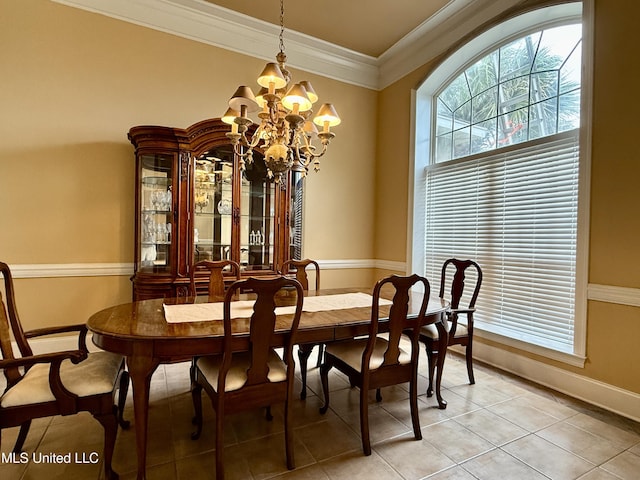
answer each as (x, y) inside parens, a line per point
(515, 213)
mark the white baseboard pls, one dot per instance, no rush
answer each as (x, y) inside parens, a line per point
(609, 397)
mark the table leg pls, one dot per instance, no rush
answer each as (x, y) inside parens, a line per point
(443, 342)
(304, 351)
(141, 368)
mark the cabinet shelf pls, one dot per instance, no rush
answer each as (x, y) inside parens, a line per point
(156, 212)
(156, 182)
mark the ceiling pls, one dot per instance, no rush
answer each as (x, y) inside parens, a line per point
(370, 27)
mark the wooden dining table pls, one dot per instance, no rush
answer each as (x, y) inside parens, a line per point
(140, 331)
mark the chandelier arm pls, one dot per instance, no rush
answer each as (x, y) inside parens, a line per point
(310, 149)
(274, 115)
(255, 138)
(237, 149)
(302, 159)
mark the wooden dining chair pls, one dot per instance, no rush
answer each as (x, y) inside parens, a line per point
(460, 333)
(59, 383)
(258, 377)
(304, 351)
(374, 361)
(215, 270)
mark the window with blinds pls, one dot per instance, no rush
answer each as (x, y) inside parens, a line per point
(515, 212)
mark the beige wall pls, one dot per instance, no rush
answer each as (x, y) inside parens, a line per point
(73, 84)
(614, 259)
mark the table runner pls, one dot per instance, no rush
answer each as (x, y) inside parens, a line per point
(203, 312)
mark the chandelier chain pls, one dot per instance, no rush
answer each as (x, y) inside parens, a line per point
(282, 26)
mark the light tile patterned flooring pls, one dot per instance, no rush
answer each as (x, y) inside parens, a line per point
(500, 428)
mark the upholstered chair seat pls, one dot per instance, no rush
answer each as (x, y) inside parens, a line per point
(432, 332)
(95, 375)
(237, 375)
(350, 352)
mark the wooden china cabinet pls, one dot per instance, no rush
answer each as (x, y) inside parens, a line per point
(194, 203)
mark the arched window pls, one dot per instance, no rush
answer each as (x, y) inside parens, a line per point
(497, 176)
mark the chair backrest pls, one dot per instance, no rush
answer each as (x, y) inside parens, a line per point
(215, 269)
(458, 281)
(10, 323)
(399, 322)
(262, 325)
(301, 271)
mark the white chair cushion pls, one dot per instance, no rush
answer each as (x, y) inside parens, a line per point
(95, 375)
(237, 375)
(431, 330)
(351, 352)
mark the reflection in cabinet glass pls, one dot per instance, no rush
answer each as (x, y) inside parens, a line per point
(195, 203)
(257, 214)
(213, 202)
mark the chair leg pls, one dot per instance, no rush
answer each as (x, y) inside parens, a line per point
(413, 402)
(364, 421)
(192, 371)
(320, 354)
(469, 356)
(431, 365)
(110, 424)
(378, 395)
(324, 377)
(196, 396)
(288, 435)
(220, 441)
(22, 436)
(304, 351)
(122, 399)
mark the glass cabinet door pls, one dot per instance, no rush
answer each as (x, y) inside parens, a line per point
(213, 206)
(257, 217)
(156, 211)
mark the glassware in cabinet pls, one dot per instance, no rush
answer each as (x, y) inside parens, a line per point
(156, 212)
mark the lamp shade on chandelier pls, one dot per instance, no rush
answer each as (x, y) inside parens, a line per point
(287, 130)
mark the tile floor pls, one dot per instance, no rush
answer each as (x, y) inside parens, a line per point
(499, 428)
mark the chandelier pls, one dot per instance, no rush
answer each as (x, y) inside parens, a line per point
(285, 132)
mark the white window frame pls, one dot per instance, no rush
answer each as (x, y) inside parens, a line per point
(422, 149)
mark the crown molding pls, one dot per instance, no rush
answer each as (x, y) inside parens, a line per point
(214, 25)
(435, 35)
